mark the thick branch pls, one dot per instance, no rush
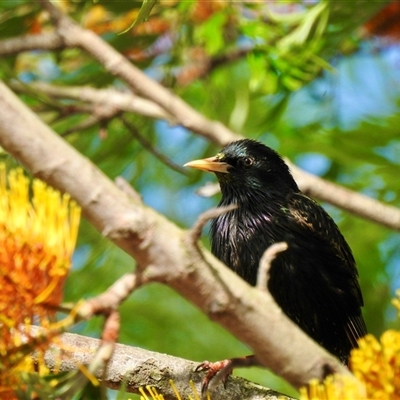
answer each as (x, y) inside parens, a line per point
(112, 98)
(142, 233)
(138, 368)
(43, 41)
(118, 65)
(339, 196)
(353, 202)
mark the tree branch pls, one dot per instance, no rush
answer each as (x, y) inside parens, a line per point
(138, 368)
(139, 82)
(43, 41)
(195, 233)
(100, 115)
(150, 148)
(265, 263)
(339, 196)
(110, 97)
(105, 304)
(353, 202)
(108, 301)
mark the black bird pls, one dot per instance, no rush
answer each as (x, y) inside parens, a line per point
(315, 281)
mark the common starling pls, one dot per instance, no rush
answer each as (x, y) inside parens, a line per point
(315, 281)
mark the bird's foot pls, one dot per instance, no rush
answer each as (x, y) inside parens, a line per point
(216, 372)
(219, 371)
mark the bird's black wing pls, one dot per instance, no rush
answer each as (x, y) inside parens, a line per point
(311, 224)
(312, 219)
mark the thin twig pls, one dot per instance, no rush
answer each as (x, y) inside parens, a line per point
(195, 232)
(109, 300)
(150, 148)
(109, 339)
(265, 263)
(100, 115)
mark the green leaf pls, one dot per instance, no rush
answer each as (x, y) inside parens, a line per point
(317, 18)
(211, 33)
(144, 13)
(257, 63)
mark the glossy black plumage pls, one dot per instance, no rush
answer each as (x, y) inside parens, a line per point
(315, 281)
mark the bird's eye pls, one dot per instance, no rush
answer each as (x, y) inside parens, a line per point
(247, 161)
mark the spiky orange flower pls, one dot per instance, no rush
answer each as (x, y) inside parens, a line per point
(38, 231)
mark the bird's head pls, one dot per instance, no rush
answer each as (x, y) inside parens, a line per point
(247, 165)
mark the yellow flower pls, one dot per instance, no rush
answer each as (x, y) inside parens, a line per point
(38, 231)
(154, 395)
(335, 387)
(376, 365)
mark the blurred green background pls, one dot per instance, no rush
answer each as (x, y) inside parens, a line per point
(318, 82)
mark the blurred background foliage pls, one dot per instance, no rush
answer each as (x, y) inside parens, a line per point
(317, 81)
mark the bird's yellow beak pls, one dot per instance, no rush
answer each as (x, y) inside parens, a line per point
(212, 164)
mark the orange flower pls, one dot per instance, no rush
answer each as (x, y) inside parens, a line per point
(38, 233)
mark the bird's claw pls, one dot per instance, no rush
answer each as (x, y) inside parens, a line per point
(216, 372)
